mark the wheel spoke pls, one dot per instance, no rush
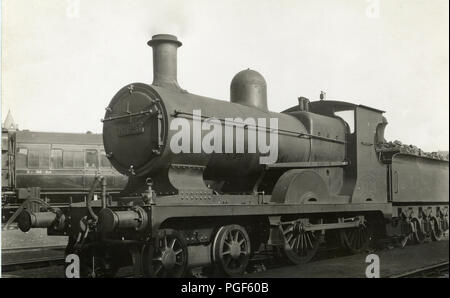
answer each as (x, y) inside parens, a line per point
(158, 269)
(290, 229)
(309, 241)
(295, 243)
(301, 247)
(230, 236)
(236, 236)
(289, 238)
(226, 252)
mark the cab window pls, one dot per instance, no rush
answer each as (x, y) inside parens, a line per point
(349, 118)
(91, 159)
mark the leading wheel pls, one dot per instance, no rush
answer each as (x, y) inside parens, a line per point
(231, 250)
(167, 257)
(300, 246)
(356, 240)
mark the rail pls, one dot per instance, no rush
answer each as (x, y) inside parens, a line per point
(427, 271)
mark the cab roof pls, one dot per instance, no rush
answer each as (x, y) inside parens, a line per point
(329, 107)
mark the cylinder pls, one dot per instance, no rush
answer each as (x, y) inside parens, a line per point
(165, 60)
(110, 220)
(28, 220)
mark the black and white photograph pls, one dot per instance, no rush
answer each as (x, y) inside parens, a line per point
(224, 145)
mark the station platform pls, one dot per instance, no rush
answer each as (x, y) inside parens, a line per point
(16, 239)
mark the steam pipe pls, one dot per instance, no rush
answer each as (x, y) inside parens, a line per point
(89, 198)
(104, 202)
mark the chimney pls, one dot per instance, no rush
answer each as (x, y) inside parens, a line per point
(165, 60)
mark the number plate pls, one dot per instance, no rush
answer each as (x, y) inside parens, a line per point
(131, 129)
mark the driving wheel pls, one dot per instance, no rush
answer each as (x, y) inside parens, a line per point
(300, 246)
(231, 250)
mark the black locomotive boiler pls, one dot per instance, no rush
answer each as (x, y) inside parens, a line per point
(216, 210)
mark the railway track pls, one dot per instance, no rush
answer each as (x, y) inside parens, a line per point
(262, 263)
(435, 270)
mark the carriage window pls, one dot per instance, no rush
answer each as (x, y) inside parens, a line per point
(104, 162)
(78, 159)
(38, 158)
(33, 159)
(56, 159)
(349, 117)
(21, 158)
(44, 158)
(73, 159)
(91, 159)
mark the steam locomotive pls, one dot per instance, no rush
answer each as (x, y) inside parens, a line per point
(54, 167)
(217, 205)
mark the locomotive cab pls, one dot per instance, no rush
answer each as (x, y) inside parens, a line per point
(365, 174)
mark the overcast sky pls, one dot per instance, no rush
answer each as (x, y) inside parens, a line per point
(62, 61)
